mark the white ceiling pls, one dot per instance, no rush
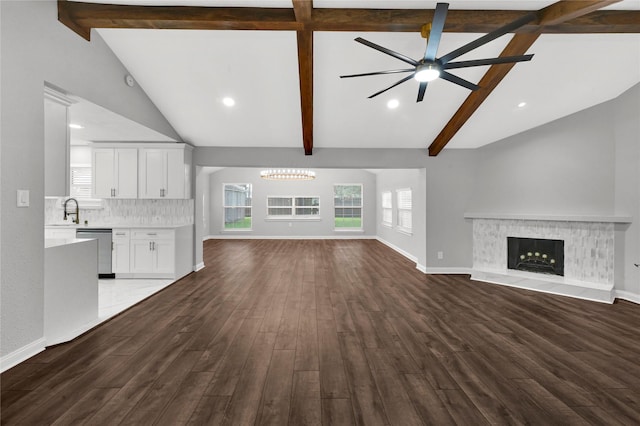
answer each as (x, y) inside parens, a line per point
(100, 124)
(186, 73)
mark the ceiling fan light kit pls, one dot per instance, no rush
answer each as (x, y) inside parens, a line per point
(430, 68)
(427, 72)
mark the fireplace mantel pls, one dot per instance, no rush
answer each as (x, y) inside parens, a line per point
(550, 218)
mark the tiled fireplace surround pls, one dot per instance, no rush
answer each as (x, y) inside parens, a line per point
(588, 254)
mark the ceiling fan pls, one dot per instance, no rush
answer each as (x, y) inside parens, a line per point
(429, 68)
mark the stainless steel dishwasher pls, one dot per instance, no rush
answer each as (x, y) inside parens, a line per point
(103, 236)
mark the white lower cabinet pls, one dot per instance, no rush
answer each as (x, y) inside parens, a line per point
(120, 251)
(152, 252)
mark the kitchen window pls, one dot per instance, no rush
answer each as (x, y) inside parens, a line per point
(294, 207)
(404, 220)
(237, 206)
(80, 182)
(347, 202)
(387, 209)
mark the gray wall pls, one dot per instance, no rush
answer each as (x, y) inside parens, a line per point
(585, 164)
(37, 49)
(392, 180)
(56, 148)
(322, 186)
(564, 167)
(626, 133)
(450, 184)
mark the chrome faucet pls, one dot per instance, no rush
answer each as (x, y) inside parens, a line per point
(77, 212)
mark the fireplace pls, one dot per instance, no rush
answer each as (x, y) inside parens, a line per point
(536, 255)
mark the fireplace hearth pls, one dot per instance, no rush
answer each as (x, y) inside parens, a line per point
(541, 256)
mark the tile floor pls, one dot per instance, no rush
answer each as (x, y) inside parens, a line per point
(116, 295)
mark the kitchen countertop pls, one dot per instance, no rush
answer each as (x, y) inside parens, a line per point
(110, 226)
(54, 242)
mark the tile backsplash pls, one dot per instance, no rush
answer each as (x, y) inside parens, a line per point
(125, 212)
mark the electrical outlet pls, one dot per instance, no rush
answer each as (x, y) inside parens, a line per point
(440, 255)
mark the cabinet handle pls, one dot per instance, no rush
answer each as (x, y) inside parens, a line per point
(111, 245)
(152, 233)
(153, 244)
(149, 245)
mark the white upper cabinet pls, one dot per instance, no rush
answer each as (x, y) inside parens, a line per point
(165, 173)
(115, 173)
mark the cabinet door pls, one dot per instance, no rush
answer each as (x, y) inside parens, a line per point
(120, 252)
(142, 259)
(164, 256)
(175, 174)
(152, 173)
(126, 173)
(103, 172)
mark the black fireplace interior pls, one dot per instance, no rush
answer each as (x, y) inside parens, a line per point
(536, 255)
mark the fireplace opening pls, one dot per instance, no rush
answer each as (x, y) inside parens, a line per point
(536, 255)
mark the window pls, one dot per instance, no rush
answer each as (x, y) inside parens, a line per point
(387, 209)
(404, 210)
(293, 207)
(347, 201)
(237, 206)
(80, 182)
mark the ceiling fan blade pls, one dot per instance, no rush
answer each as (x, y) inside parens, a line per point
(459, 81)
(488, 37)
(379, 73)
(387, 51)
(437, 25)
(491, 61)
(409, 77)
(421, 90)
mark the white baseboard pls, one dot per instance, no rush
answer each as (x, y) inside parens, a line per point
(288, 237)
(449, 270)
(627, 295)
(199, 266)
(399, 250)
(24, 353)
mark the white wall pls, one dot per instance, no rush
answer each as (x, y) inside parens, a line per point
(202, 207)
(36, 49)
(414, 245)
(322, 186)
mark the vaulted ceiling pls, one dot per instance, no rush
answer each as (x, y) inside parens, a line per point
(283, 68)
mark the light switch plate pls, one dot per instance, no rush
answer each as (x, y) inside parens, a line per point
(23, 198)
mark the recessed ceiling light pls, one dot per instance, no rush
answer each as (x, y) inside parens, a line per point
(393, 103)
(228, 102)
(76, 126)
(522, 104)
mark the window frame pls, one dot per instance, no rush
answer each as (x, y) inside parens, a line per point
(293, 206)
(225, 206)
(389, 209)
(399, 227)
(361, 207)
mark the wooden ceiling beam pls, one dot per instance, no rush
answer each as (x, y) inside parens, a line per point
(519, 44)
(82, 17)
(304, 35)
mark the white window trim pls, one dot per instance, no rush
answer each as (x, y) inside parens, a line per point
(390, 208)
(361, 228)
(293, 217)
(224, 206)
(402, 229)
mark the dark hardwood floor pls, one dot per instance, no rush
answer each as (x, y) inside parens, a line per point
(337, 332)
